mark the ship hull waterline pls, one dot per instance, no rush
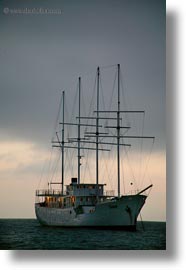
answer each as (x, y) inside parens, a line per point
(119, 214)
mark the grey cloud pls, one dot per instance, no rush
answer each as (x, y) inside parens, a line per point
(42, 54)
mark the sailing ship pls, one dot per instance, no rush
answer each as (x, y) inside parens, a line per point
(84, 204)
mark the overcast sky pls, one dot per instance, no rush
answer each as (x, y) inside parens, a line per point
(42, 54)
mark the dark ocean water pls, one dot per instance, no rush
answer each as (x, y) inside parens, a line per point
(28, 234)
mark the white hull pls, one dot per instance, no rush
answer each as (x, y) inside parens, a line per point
(114, 213)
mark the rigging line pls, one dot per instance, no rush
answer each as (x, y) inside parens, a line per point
(133, 120)
(84, 167)
(49, 165)
(112, 171)
(124, 132)
(54, 167)
(103, 103)
(143, 227)
(122, 166)
(141, 148)
(102, 157)
(102, 95)
(114, 84)
(53, 164)
(111, 99)
(107, 171)
(42, 173)
(105, 163)
(148, 160)
(73, 161)
(83, 107)
(130, 167)
(111, 148)
(74, 104)
(124, 88)
(57, 118)
(149, 190)
(126, 116)
(112, 160)
(73, 81)
(87, 121)
(108, 66)
(93, 97)
(89, 170)
(67, 130)
(122, 169)
(91, 106)
(69, 127)
(69, 164)
(68, 160)
(66, 112)
(88, 73)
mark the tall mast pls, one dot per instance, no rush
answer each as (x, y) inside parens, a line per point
(62, 145)
(97, 131)
(79, 132)
(118, 132)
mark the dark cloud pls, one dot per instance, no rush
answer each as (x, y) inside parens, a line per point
(42, 54)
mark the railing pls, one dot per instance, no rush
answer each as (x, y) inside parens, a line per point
(57, 192)
(132, 192)
(109, 193)
(49, 192)
(112, 192)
